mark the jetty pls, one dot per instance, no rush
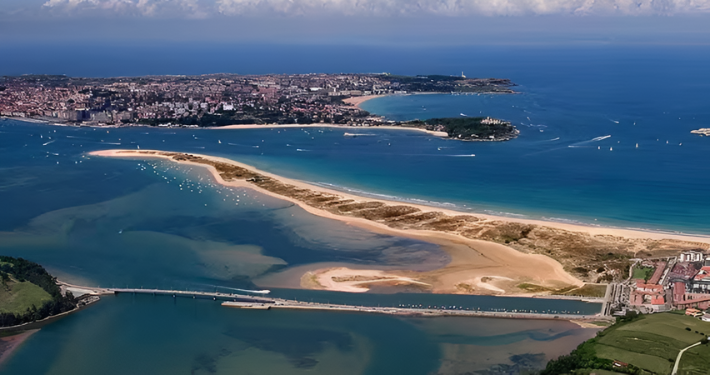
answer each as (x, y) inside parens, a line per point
(248, 302)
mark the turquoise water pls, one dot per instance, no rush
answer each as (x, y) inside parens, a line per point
(112, 222)
(120, 223)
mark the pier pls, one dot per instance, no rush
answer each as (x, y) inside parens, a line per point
(249, 302)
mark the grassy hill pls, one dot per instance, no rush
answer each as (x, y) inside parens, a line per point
(16, 297)
(28, 293)
(650, 343)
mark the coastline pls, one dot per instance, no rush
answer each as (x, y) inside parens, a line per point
(237, 127)
(357, 101)
(589, 229)
(336, 126)
(477, 266)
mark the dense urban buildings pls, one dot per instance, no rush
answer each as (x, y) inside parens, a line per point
(218, 99)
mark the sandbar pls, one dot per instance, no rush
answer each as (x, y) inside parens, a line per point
(477, 266)
(9, 344)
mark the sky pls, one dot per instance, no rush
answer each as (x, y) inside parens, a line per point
(356, 22)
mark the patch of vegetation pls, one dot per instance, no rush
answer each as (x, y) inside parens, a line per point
(587, 290)
(695, 361)
(643, 273)
(469, 128)
(28, 285)
(16, 297)
(533, 288)
(648, 343)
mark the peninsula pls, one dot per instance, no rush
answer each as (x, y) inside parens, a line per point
(489, 255)
(221, 99)
(29, 294)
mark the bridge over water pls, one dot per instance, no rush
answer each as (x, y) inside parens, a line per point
(266, 303)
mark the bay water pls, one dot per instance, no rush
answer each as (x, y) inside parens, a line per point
(141, 223)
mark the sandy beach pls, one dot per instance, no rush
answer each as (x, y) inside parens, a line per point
(356, 101)
(476, 267)
(9, 344)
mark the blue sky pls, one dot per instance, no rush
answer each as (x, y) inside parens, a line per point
(418, 22)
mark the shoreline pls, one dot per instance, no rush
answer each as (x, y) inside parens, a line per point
(357, 101)
(478, 266)
(581, 227)
(234, 127)
(335, 126)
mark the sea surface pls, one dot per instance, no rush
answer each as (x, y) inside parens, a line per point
(142, 223)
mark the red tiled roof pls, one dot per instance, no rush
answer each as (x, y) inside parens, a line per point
(660, 267)
(678, 287)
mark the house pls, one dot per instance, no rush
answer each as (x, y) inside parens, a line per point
(691, 256)
(693, 312)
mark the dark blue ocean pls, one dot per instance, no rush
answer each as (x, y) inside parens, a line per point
(582, 111)
(96, 221)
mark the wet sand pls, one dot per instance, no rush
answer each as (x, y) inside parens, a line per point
(9, 344)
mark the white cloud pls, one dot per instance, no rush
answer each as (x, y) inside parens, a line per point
(185, 8)
(205, 8)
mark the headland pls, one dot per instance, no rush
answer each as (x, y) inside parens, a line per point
(489, 255)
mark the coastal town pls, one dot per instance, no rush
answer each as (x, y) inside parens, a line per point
(220, 99)
(663, 284)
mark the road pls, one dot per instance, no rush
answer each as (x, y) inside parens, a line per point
(677, 360)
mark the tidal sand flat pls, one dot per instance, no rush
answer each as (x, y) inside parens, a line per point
(489, 255)
(9, 344)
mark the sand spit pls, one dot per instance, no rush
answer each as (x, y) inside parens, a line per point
(343, 279)
(505, 253)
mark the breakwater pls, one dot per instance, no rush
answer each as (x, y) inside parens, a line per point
(265, 303)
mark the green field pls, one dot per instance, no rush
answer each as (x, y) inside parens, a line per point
(643, 273)
(595, 372)
(588, 290)
(652, 343)
(16, 297)
(695, 361)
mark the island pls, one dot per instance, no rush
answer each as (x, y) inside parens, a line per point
(468, 128)
(217, 100)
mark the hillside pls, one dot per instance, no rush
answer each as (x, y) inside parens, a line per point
(17, 297)
(649, 344)
(29, 293)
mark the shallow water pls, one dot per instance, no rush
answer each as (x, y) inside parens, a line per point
(162, 335)
(117, 223)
